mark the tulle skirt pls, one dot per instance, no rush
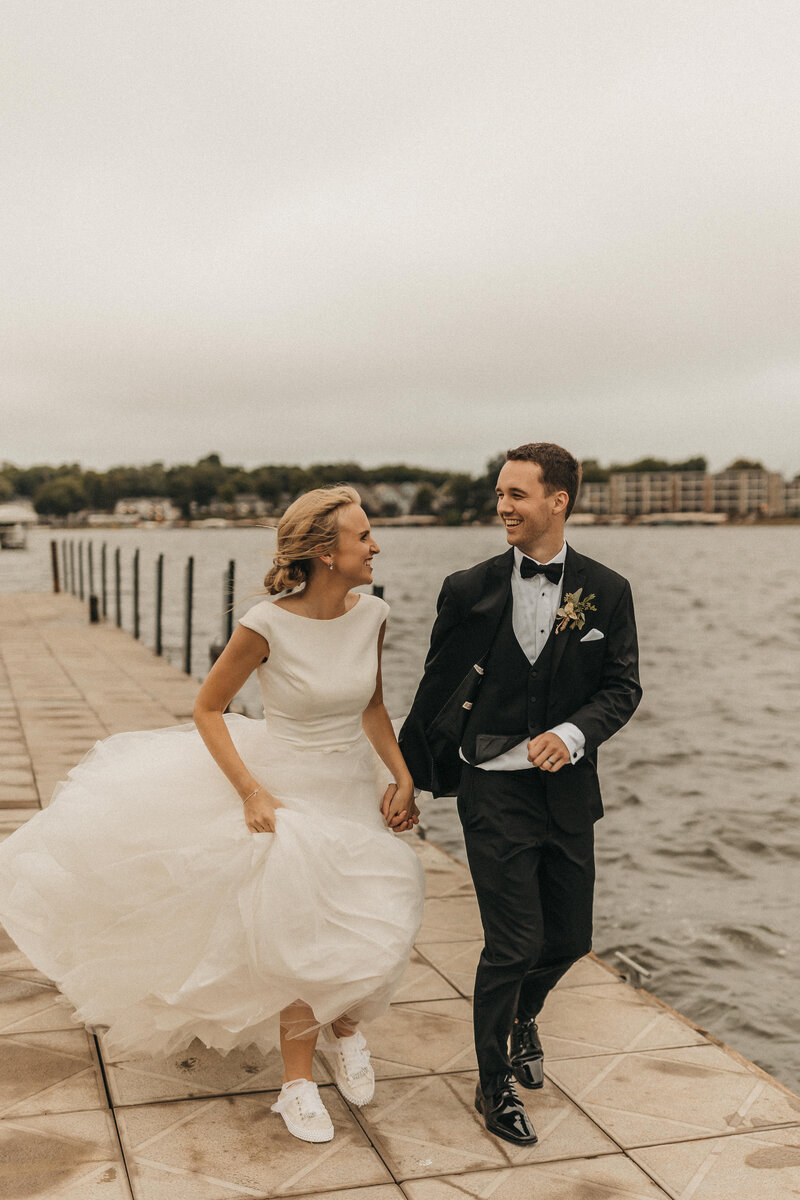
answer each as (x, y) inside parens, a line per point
(142, 893)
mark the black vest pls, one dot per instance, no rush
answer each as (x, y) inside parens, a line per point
(511, 703)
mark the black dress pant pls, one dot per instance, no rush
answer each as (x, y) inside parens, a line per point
(534, 883)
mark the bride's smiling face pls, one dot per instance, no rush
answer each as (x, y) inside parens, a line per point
(355, 546)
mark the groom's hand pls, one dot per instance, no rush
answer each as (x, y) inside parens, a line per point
(548, 752)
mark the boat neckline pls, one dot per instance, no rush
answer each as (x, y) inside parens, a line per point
(318, 620)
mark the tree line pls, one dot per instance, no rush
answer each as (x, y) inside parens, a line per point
(455, 496)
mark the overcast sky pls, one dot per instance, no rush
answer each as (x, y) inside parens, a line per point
(420, 230)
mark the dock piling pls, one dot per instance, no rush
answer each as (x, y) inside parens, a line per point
(54, 566)
(159, 602)
(136, 593)
(118, 588)
(187, 615)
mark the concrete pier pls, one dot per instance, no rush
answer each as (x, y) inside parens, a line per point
(638, 1102)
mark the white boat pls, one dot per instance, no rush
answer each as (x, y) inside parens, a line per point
(15, 518)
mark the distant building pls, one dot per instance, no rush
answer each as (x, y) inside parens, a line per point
(637, 492)
(248, 504)
(691, 491)
(791, 498)
(747, 491)
(147, 508)
(595, 498)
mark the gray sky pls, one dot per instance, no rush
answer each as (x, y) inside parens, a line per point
(419, 230)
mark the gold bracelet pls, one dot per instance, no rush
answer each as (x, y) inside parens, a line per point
(250, 797)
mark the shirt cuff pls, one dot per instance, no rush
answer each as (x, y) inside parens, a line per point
(572, 738)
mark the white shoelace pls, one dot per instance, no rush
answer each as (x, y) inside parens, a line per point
(309, 1104)
(355, 1055)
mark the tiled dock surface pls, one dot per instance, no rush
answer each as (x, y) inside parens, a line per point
(637, 1104)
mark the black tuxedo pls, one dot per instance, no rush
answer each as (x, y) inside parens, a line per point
(528, 833)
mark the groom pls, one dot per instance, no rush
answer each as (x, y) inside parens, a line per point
(532, 664)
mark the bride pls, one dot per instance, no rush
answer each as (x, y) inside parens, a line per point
(237, 880)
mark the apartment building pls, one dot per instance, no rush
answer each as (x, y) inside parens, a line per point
(743, 492)
(791, 498)
(738, 493)
(595, 498)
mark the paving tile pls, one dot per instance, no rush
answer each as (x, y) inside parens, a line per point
(743, 1167)
(660, 1096)
(30, 1006)
(380, 1191)
(49, 1072)
(12, 818)
(429, 1127)
(422, 982)
(451, 919)
(420, 1039)
(31, 804)
(231, 1147)
(63, 1156)
(196, 1071)
(455, 961)
(11, 957)
(597, 1019)
(443, 876)
(588, 971)
(611, 1177)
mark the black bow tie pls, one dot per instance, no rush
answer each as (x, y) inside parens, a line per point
(528, 568)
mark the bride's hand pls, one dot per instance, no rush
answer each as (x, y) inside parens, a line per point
(259, 811)
(399, 808)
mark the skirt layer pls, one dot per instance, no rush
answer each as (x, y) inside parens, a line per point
(142, 893)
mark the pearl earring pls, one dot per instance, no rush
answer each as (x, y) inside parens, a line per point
(330, 565)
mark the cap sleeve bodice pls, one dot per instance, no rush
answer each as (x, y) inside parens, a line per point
(320, 675)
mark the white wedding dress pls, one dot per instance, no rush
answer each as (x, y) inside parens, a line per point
(142, 893)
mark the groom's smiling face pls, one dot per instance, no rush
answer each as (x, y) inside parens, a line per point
(530, 514)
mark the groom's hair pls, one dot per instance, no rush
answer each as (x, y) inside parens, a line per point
(560, 471)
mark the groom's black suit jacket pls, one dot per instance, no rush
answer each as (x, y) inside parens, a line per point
(593, 684)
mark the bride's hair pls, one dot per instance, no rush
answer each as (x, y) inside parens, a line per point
(307, 529)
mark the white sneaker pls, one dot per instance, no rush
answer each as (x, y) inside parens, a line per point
(352, 1071)
(304, 1114)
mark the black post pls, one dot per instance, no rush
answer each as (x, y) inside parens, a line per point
(54, 566)
(118, 587)
(103, 581)
(90, 556)
(187, 626)
(72, 566)
(80, 569)
(65, 564)
(94, 615)
(159, 600)
(230, 587)
(136, 593)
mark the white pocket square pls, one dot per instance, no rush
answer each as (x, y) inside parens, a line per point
(594, 635)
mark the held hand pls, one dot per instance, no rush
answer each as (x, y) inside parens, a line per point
(548, 752)
(398, 808)
(259, 811)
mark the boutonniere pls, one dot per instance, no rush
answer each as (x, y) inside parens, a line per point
(573, 610)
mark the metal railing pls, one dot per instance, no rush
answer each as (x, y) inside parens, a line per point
(69, 575)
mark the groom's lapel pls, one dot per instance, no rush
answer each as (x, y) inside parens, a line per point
(574, 577)
(489, 608)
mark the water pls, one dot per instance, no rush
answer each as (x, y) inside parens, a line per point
(699, 852)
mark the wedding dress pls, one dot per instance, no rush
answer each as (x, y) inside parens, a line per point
(142, 893)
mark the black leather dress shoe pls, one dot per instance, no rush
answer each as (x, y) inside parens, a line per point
(526, 1054)
(504, 1114)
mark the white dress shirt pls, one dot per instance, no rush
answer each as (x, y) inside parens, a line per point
(534, 604)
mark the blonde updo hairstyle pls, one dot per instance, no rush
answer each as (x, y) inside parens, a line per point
(308, 529)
